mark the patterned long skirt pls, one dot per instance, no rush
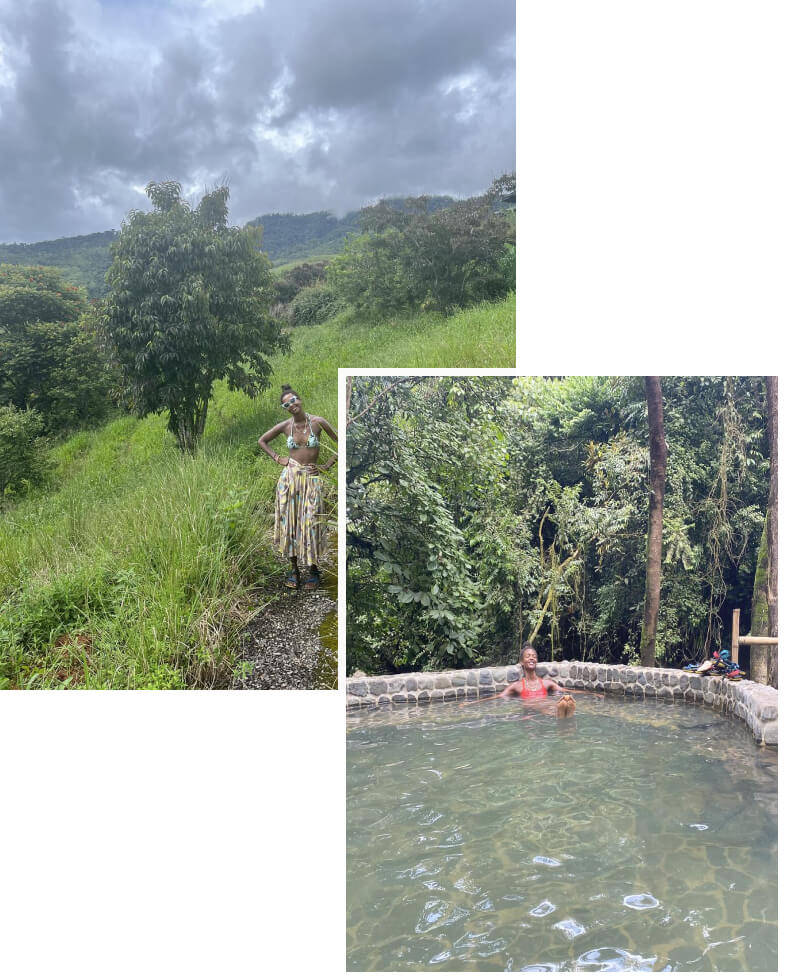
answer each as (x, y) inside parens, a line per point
(300, 530)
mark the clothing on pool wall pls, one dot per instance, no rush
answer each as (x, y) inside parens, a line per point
(300, 529)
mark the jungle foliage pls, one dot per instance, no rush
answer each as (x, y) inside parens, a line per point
(23, 457)
(288, 237)
(50, 358)
(82, 259)
(188, 305)
(137, 565)
(414, 258)
(483, 512)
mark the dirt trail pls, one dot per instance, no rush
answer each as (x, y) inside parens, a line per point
(282, 645)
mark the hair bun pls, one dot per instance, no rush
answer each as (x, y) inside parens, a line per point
(285, 389)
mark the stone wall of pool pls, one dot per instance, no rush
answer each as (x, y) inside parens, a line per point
(755, 704)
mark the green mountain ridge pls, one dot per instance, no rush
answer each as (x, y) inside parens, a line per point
(287, 237)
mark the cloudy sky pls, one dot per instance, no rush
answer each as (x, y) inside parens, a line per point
(300, 105)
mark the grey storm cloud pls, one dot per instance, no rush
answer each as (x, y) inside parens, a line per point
(298, 105)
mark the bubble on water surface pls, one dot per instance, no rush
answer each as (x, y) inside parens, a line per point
(570, 927)
(551, 862)
(440, 957)
(541, 968)
(642, 901)
(436, 913)
(545, 908)
(609, 959)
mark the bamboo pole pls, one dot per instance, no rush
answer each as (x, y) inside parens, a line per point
(735, 636)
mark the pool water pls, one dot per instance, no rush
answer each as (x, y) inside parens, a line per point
(636, 836)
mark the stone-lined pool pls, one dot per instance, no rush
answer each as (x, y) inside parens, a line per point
(641, 836)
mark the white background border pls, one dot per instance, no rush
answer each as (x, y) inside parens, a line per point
(170, 835)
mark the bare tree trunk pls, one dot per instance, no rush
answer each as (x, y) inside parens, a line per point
(760, 654)
(772, 526)
(649, 625)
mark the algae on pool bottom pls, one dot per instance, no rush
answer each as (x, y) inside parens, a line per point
(642, 838)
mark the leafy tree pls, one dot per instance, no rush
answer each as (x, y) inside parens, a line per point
(22, 450)
(545, 482)
(413, 258)
(188, 305)
(415, 469)
(50, 359)
(82, 259)
(36, 293)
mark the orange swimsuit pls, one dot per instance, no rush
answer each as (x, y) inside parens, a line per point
(526, 693)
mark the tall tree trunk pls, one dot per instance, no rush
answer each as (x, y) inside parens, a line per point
(772, 525)
(760, 626)
(649, 626)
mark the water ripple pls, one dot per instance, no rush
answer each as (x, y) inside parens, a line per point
(642, 901)
(571, 928)
(453, 867)
(545, 908)
(437, 913)
(608, 959)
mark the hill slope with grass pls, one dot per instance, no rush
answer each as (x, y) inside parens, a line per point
(138, 567)
(287, 238)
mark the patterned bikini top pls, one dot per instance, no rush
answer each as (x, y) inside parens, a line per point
(312, 443)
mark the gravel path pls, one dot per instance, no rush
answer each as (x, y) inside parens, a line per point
(282, 644)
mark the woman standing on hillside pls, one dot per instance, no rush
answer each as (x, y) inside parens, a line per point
(300, 532)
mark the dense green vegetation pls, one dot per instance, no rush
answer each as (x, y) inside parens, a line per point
(413, 258)
(287, 238)
(483, 512)
(136, 566)
(123, 561)
(83, 259)
(50, 358)
(188, 306)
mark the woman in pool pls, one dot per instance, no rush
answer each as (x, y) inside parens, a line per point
(531, 686)
(535, 690)
(299, 532)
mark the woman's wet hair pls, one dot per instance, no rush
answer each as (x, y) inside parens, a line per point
(287, 390)
(527, 646)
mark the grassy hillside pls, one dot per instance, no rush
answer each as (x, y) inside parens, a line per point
(300, 237)
(145, 564)
(83, 259)
(287, 239)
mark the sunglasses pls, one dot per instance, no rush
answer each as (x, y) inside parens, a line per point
(289, 401)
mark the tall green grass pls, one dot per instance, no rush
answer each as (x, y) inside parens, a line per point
(481, 336)
(137, 567)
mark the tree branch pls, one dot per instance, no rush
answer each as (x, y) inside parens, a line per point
(383, 392)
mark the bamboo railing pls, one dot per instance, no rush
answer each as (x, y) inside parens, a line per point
(760, 668)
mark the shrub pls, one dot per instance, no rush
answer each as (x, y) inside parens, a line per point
(314, 304)
(23, 461)
(188, 306)
(430, 261)
(49, 356)
(287, 286)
